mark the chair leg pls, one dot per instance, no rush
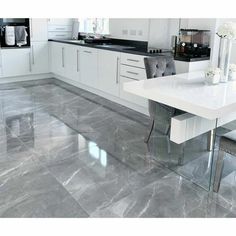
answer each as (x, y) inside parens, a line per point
(218, 171)
(150, 128)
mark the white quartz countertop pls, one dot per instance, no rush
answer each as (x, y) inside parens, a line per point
(188, 92)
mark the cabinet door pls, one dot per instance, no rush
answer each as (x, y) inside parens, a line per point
(72, 62)
(57, 58)
(16, 62)
(88, 66)
(60, 21)
(108, 71)
(39, 29)
(39, 54)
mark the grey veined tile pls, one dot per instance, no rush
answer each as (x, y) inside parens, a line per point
(30, 191)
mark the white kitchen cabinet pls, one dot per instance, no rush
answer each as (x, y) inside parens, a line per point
(72, 62)
(57, 58)
(39, 57)
(39, 29)
(89, 66)
(130, 97)
(109, 71)
(59, 21)
(16, 62)
(185, 67)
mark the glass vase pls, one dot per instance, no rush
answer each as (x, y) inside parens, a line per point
(224, 58)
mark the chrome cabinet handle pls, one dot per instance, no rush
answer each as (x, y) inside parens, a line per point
(131, 72)
(88, 51)
(117, 70)
(77, 60)
(30, 67)
(60, 28)
(33, 54)
(132, 60)
(63, 62)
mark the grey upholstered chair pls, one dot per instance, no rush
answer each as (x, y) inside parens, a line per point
(160, 114)
(227, 145)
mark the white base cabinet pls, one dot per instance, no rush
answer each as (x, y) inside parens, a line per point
(89, 66)
(16, 62)
(109, 71)
(57, 58)
(185, 67)
(72, 62)
(39, 57)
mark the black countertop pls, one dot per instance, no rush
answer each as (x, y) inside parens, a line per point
(191, 59)
(118, 48)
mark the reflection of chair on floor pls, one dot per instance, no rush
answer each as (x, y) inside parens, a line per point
(227, 145)
(160, 114)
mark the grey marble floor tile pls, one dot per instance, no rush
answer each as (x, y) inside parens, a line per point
(170, 196)
(29, 190)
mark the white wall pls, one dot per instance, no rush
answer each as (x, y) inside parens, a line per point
(129, 28)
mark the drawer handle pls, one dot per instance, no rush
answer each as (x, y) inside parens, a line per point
(131, 72)
(133, 60)
(60, 34)
(60, 28)
(88, 51)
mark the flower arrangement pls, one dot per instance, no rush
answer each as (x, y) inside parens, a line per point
(232, 67)
(210, 72)
(227, 30)
(212, 75)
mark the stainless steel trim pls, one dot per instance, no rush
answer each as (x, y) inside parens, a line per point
(132, 60)
(32, 54)
(63, 62)
(117, 70)
(88, 51)
(132, 73)
(30, 66)
(77, 60)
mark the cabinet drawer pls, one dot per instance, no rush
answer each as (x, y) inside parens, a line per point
(129, 96)
(133, 72)
(132, 60)
(60, 28)
(59, 35)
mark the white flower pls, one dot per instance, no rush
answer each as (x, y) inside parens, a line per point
(210, 72)
(232, 67)
(227, 30)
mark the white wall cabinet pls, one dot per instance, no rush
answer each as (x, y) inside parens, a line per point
(16, 62)
(39, 57)
(109, 71)
(59, 21)
(39, 29)
(89, 66)
(0, 64)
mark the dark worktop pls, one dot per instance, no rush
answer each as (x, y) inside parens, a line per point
(118, 48)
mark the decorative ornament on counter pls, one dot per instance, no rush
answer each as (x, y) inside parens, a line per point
(232, 72)
(212, 76)
(227, 33)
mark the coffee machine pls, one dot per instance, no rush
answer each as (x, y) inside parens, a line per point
(192, 43)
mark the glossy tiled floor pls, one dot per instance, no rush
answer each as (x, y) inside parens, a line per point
(65, 152)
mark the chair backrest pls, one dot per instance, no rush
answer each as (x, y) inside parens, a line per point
(158, 67)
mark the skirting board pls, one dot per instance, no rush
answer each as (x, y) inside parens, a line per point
(187, 126)
(103, 94)
(4, 80)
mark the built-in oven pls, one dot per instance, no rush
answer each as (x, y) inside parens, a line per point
(14, 23)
